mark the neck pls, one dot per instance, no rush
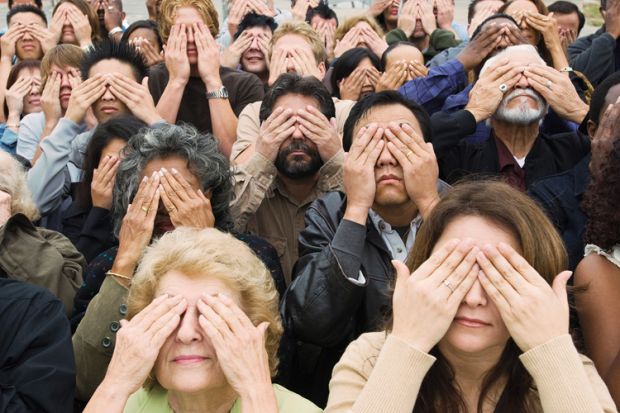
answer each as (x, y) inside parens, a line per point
(210, 401)
(470, 370)
(421, 43)
(518, 139)
(390, 26)
(299, 189)
(263, 76)
(397, 215)
(193, 71)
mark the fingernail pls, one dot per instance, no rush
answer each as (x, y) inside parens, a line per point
(161, 173)
(154, 175)
(145, 179)
(174, 171)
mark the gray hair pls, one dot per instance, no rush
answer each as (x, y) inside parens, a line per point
(203, 157)
(13, 181)
(510, 49)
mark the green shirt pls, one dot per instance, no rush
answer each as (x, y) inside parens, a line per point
(156, 401)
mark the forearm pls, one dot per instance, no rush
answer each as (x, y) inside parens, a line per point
(558, 55)
(259, 399)
(107, 398)
(170, 101)
(12, 122)
(5, 69)
(223, 124)
(47, 131)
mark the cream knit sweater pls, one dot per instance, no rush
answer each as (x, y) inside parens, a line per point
(383, 375)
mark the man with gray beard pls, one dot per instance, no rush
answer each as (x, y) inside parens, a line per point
(513, 94)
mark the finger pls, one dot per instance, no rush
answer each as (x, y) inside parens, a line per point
(364, 135)
(109, 173)
(165, 181)
(559, 286)
(492, 291)
(374, 148)
(520, 264)
(495, 276)
(450, 263)
(147, 317)
(437, 258)
(463, 288)
(402, 274)
(214, 318)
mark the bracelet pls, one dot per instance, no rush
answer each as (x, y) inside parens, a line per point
(113, 274)
(566, 69)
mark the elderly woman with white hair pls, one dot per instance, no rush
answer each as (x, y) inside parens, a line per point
(202, 333)
(513, 94)
(27, 252)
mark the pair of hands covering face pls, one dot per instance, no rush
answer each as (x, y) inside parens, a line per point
(232, 55)
(426, 301)
(360, 36)
(301, 59)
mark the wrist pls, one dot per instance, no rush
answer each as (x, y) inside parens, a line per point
(478, 114)
(259, 398)
(13, 118)
(426, 205)
(86, 43)
(212, 83)
(356, 213)
(124, 264)
(412, 341)
(114, 390)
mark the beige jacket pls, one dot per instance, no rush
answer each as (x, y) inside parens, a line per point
(380, 375)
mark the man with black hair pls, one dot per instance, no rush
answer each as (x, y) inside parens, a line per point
(325, 22)
(15, 3)
(341, 281)
(113, 84)
(111, 16)
(250, 48)
(298, 157)
(569, 18)
(561, 195)
(27, 36)
(597, 56)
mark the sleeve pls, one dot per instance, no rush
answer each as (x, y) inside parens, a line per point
(593, 56)
(28, 138)
(251, 183)
(48, 177)
(42, 378)
(396, 35)
(432, 90)
(92, 236)
(330, 174)
(566, 383)
(8, 141)
(392, 385)
(93, 341)
(248, 129)
(321, 304)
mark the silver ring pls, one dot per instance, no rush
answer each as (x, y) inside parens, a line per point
(549, 84)
(503, 88)
(447, 284)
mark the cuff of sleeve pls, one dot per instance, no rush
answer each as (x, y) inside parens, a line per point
(331, 173)
(541, 360)
(261, 168)
(465, 121)
(349, 238)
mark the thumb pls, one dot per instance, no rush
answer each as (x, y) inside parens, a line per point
(262, 327)
(145, 82)
(559, 284)
(402, 273)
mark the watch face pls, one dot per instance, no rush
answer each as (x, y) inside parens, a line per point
(224, 92)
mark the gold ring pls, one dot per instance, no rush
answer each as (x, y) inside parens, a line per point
(171, 209)
(145, 209)
(408, 153)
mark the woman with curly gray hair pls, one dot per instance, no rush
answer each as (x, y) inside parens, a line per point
(170, 176)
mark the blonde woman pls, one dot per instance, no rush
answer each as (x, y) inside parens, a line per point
(202, 335)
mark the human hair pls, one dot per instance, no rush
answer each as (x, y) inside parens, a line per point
(323, 11)
(255, 20)
(62, 55)
(111, 50)
(91, 14)
(540, 246)
(566, 7)
(206, 253)
(204, 160)
(600, 94)
(25, 8)
(471, 9)
(304, 30)
(38, 3)
(16, 70)
(13, 181)
(167, 14)
(510, 49)
(387, 97)
(122, 127)
(294, 84)
(390, 48)
(477, 32)
(349, 23)
(602, 197)
(347, 63)
(543, 51)
(142, 24)
(603, 4)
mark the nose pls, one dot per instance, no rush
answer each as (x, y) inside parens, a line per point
(254, 44)
(190, 35)
(290, 66)
(476, 296)
(297, 134)
(108, 95)
(27, 36)
(189, 330)
(64, 81)
(523, 82)
(386, 158)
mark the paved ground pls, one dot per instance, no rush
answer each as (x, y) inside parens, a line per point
(136, 9)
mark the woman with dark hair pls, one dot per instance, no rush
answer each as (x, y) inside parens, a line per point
(480, 319)
(80, 23)
(355, 74)
(539, 30)
(385, 13)
(144, 36)
(170, 176)
(87, 222)
(599, 271)
(23, 96)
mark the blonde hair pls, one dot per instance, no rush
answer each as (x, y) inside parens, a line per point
(13, 181)
(62, 56)
(167, 14)
(211, 253)
(304, 30)
(349, 23)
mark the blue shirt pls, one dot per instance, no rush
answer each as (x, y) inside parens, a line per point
(8, 139)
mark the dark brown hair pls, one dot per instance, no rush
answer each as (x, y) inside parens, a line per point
(14, 75)
(540, 245)
(85, 8)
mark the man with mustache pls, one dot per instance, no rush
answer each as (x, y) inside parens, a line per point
(251, 46)
(298, 157)
(343, 275)
(513, 94)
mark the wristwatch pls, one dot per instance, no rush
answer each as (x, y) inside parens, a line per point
(221, 93)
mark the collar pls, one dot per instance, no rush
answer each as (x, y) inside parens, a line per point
(504, 156)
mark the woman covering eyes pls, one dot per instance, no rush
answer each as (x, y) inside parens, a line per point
(480, 319)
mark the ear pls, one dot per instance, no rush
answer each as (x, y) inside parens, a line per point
(591, 126)
(322, 70)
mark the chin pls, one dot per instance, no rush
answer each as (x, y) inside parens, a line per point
(391, 196)
(472, 341)
(192, 380)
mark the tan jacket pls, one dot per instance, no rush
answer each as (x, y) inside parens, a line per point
(380, 375)
(263, 207)
(41, 257)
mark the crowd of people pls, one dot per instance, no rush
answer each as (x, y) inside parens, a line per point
(268, 210)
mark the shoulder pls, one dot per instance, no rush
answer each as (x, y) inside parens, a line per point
(232, 78)
(13, 291)
(148, 401)
(600, 255)
(290, 402)
(364, 351)
(330, 202)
